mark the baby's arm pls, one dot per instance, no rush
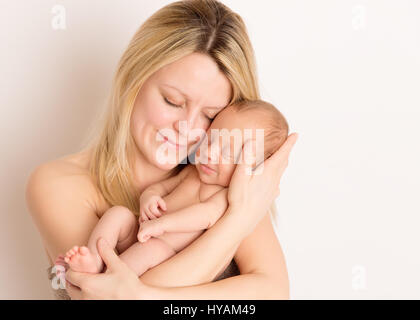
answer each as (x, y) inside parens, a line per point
(165, 187)
(151, 197)
(193, 218)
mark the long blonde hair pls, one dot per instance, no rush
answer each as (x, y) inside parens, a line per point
(174, 31)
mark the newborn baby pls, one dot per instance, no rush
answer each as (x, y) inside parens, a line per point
(174, 212)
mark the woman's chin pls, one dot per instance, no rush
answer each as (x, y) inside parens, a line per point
(166, 166)
(168, 161)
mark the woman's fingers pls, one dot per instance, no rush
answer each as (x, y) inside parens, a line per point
(243, 168)
(76, 278)
(281, 156)
(74, 292)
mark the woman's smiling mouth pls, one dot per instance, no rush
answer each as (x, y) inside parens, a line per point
(171, 143)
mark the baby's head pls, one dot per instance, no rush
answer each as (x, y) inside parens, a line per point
(226, 135)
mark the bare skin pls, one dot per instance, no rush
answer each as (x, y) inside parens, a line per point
(118, 283)
(66, 205)
(193, 201)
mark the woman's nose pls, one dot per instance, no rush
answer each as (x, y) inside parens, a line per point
(181, 127)
(186, 125)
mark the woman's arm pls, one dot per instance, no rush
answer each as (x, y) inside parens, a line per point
(58, 201)
(263, 272)
(264, 277)
(219, 244)
(250, 197)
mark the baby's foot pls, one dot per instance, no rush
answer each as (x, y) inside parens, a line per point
(80, 259)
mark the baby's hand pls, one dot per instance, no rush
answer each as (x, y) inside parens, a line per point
(149, 207)
(150, 228)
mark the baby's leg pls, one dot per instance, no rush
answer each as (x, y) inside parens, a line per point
(140, 257)
(118, 226)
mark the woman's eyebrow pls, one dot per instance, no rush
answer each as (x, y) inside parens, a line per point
(189, 99)
(180, 91)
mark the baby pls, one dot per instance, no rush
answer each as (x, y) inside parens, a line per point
(174, 212)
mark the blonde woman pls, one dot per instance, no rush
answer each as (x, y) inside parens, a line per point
(185, 64)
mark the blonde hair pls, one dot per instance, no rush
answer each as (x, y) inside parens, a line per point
(174, 31)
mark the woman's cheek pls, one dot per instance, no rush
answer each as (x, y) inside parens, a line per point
(160, 116)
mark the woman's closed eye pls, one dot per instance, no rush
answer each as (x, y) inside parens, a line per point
(172, 104)
(209, 118)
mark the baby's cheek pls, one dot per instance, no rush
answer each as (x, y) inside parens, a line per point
(226, 174)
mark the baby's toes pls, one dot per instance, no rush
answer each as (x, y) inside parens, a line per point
(72, 251)
(84, 251)
(68, 255)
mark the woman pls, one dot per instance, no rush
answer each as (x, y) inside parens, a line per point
(186, 63)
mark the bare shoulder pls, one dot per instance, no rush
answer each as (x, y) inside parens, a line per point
(65, 178)
(63, 202)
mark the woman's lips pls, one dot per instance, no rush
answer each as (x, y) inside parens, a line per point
(176, 145)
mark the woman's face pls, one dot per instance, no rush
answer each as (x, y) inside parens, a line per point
(181, 98)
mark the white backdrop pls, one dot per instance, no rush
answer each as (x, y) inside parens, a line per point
(346, 74)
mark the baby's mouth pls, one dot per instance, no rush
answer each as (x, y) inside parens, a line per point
(207, 169)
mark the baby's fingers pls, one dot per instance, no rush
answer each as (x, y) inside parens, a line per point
(143, 216)
(155, 211)
(162, 204)
(151, 211)
(149, 214)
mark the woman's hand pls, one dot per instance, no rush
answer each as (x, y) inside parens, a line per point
(118, 282)
(255, 193)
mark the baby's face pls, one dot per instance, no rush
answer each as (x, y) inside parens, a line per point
(217, 156)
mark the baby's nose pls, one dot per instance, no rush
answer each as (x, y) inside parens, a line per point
(213, 155)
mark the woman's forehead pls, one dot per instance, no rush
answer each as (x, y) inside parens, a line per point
(198, 80)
